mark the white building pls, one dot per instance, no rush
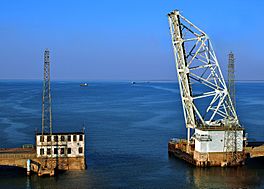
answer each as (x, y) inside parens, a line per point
(218, 140)
(61, 145)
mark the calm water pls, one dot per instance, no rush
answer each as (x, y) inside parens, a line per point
(127, 129)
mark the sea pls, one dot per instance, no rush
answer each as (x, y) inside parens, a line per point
(127, 129)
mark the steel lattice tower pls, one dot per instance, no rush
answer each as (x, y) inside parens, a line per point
(200, 78)
(231, 77)
(46, 98)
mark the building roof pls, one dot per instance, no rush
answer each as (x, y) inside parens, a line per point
(220, 128)
(62, 133)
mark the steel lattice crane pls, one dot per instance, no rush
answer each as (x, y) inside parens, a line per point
(214, 134)
(197, 66)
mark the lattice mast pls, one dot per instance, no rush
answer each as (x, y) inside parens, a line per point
(198, 68)
(231, 77)
(46, 98)
(230, 141)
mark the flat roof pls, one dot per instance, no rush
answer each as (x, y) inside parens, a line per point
(219, 128)
(62, 133)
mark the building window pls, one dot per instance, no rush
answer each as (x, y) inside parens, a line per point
(55, 150)
(48, 138)
(41, 138)
(62, 138)
(69, 138)
(62, 151)
(80, 137)
(48, 151)
(80, 150)
(56, 138)
(69, 151)
(41, 151)
(74, 138)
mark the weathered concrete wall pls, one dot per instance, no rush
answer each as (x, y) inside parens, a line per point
(17, 162)
(218, 158)
(63, 163)
(180, 150)
(18, 157)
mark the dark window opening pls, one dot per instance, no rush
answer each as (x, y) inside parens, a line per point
(69, 138)
(62, 150)
(49, 138)
(80, 137)
(56, 138)
(69, 151)
(62, 138)
(55, 150)
(74, 137)
(80, 150)
(48, 151)
(41, 138)
(41, 151)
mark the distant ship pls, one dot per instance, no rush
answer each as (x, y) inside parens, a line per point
(133, 82)
(84, 84)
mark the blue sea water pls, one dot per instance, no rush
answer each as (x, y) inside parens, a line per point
(127, 129)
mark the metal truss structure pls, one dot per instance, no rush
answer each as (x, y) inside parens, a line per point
(46, 98)
(231, 77)
(46, 114)
(231, 139)
(205, 98)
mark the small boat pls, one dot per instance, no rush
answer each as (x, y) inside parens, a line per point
(133, 82)
(84, 84)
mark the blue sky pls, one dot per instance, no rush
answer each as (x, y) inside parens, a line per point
(122, 39)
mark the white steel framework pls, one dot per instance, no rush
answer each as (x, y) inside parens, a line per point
(205, 98)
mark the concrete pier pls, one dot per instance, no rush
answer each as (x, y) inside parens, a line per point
(19, 157)
(59, 151)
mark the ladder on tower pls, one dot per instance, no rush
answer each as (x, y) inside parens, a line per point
(230, 144)
(230, 140)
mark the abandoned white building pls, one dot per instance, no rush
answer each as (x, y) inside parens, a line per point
(60, 145)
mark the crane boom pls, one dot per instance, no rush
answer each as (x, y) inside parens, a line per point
(205, 98)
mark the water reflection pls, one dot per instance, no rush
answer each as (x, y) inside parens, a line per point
(70, 179)
(249, 176)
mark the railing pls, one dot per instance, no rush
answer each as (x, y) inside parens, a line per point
(202, 137)
(178, 140)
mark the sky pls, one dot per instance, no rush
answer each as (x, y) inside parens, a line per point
(123, 39)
